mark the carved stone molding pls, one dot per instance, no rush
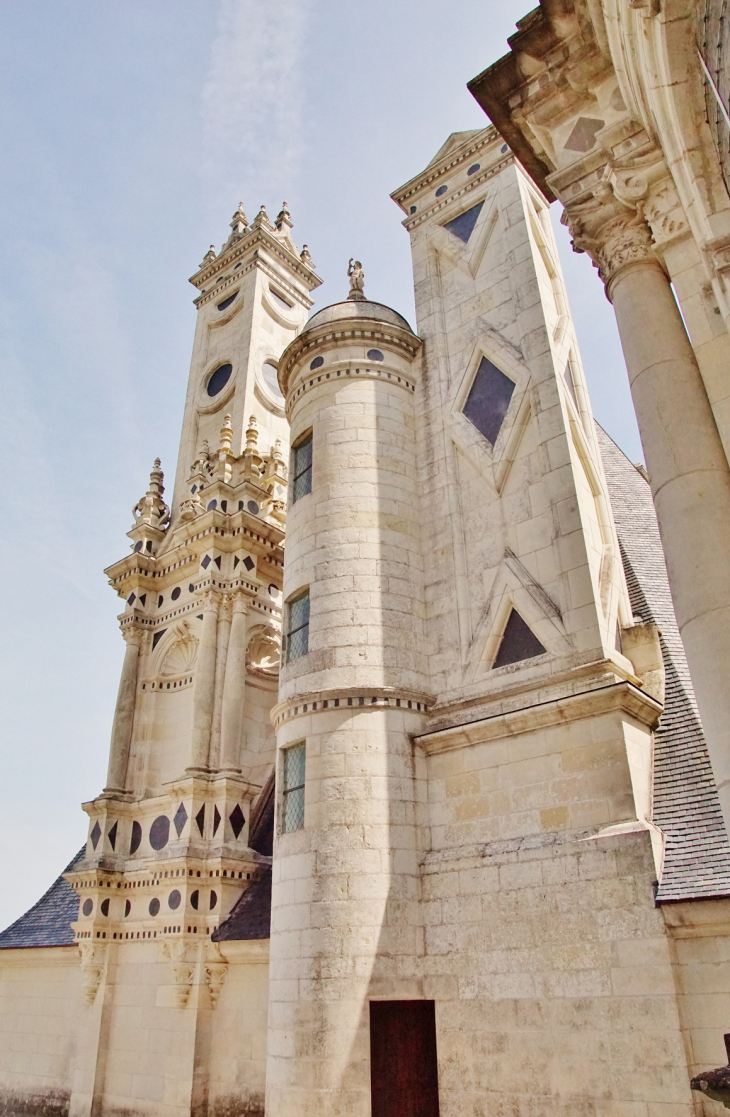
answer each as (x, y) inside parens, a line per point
(215, 969)
(93, 960)
(182, 958)
(612, 240)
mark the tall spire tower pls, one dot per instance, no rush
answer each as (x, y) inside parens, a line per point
(169, 850)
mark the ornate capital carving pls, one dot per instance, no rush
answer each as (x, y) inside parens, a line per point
(133, 635)
(183, 960)
(93, 959)
(612, 240)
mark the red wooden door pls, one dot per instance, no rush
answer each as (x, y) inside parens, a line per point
(403, 1067)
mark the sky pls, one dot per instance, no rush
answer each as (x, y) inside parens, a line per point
(130, 131)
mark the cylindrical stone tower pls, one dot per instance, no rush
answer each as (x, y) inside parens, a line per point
(346, 924)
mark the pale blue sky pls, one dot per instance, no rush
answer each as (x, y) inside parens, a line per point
(129, 133)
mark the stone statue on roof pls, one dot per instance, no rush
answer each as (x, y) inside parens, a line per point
(357, 280)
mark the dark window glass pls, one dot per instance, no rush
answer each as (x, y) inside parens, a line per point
(219, 379)
(375, 355)
(519, 642)
(302, 468)
(271, 379)
(297, 633)
(488, 400)
(293, 799)
(463, 225)
(227, 302)
(280, 299)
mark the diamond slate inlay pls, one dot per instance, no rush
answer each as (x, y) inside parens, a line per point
(200, 819)
(112, 836)
(237, 820)
(181, 817)
(216, 819)
(95, 834)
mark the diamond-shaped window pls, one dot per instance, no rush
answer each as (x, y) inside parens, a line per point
(488, 400)
(181, 817)
(237, 820)
(463, 225)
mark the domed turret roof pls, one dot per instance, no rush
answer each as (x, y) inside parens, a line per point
(356, 308)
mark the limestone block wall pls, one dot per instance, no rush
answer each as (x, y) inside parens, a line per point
(40, 999)
(551, 967)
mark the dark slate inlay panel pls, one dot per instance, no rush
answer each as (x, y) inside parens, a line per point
(174, 900)
(213, 899)
(105, 906)
(583, 136)
(112, 835)
(463, 225)
(195, 899)
(237, 820)
(488, 400)
(160, 832)
(216, 820)
(136, 839)
(154, 907)
(157, 637)
(95, 834)
(181, 817)
(200, 819)
(88, 907)
(518, 642)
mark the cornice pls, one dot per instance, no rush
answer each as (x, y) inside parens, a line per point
(452, 160)
(249, 244)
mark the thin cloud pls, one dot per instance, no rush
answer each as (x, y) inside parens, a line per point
(252, 103)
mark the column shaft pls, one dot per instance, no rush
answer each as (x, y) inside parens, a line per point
(224, 630)
(124, 716)
(691, 487)
(234, 690)
(204, 687)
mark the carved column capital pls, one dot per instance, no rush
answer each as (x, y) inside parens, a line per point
(133, 635)
(614, 238)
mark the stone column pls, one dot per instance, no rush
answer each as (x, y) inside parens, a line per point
(124, 713)
(686, 463)
(204, 686)
(234, 689)
(224, 629)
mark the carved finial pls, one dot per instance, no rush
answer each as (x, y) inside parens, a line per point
(357, 280)
(252, 433)
(305, 257)
(276, 453)
(239, 221)
(284, 218)
(226, 436)
(209, 257)
(260, 219)
(151, 509)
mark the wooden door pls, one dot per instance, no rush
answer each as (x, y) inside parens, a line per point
(403, 1067)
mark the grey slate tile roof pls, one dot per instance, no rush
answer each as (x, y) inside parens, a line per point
(250, 918)
(686, 805)
(48, 922)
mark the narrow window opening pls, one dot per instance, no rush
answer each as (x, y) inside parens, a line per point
(293, 796)
(302, 468)
(297, 629)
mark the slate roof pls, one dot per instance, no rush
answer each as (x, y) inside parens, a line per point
(686, 804)
(250, 918)
(48, 922)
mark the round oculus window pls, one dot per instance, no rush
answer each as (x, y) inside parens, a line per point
(271, 379)
(218, 380)
(375, 355)
(316, 363)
